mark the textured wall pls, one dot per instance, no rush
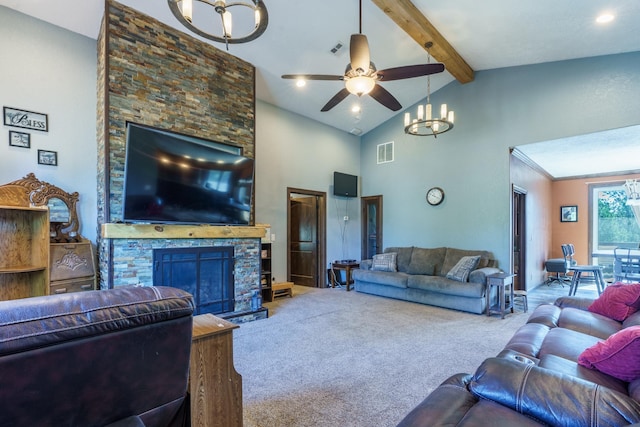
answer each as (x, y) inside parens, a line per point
(152, 74)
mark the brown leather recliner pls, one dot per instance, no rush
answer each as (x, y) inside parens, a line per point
(96, 358)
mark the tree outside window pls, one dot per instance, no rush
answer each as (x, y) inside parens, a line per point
(613, 224)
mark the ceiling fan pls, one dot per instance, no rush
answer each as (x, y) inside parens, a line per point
(361, 76)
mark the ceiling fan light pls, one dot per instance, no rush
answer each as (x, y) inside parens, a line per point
(360, 85)
(450, 117)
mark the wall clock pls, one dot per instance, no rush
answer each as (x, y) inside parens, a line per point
(435, 196)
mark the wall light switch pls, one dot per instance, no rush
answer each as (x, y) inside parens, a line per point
(346, 218)
(273, 237)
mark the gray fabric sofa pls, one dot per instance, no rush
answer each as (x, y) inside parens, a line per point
(421, 276)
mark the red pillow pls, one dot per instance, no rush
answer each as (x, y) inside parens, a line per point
(618, 301)
(618, 356)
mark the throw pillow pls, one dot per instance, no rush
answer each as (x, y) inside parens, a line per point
(463, 268)
(384, 262)
(618, 356)
(618, 301)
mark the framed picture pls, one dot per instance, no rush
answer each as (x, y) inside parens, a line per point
(25, 119)
(19, 139)
(47, 157)
(568, 214)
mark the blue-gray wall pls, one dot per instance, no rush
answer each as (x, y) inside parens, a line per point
(50, 70)
(53, 71)
(293, 151)
(499, 109)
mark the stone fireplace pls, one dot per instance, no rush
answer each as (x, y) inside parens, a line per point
(155, 75)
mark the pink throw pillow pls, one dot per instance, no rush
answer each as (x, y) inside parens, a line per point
(618, 356)
(618, 301)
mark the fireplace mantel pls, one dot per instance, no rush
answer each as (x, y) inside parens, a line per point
(164, 231)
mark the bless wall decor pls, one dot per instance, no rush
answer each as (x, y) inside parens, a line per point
(47, 157)
(19, 139)
(568, 214)
(25, 119)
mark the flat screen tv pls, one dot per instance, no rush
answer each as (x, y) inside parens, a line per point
(174, 178)
(345, 185)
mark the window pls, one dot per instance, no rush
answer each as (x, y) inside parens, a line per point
(612, 224)
(385, 152)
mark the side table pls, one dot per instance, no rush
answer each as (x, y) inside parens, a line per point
(504, 283)
(347, 267)
(215, 387)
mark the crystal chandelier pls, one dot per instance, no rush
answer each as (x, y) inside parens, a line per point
(183, 10)
(425, 123)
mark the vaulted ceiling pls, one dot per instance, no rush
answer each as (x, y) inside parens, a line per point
(469, 36)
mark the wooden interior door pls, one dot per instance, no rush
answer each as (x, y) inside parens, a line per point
(306, 238)
(519, 238)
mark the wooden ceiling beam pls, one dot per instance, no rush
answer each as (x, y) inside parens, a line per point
(413, 22)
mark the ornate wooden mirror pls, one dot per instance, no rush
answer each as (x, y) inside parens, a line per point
(63, 216)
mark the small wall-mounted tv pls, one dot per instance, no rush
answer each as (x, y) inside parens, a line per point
(345, 185)
(175, 178)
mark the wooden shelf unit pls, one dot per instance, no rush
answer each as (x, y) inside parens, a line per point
(24, 251)
(265, 271)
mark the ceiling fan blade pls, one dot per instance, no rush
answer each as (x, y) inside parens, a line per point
(409, 71)
(359, 52)
(337, 98)
(312, 76)
(383, 96)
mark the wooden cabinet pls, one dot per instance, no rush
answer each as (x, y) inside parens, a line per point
(24, 251)
(72, 268)
(265, 271)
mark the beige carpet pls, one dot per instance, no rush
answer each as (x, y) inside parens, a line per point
(327, 357)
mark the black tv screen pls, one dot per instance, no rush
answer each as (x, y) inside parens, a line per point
(345, 185)
(174, 178)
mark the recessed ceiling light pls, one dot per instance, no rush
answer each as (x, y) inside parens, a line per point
(301, 82)
(605, 18)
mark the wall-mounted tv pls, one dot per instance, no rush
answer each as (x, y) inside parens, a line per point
(175, 178)
(345, 185)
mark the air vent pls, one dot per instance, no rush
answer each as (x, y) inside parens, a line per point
(356, 131)
(385, 152)
(337, 49)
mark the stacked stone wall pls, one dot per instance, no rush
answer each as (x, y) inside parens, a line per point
(152, 74)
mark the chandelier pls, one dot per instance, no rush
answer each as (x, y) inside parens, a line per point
(206, 11)
(426, 123)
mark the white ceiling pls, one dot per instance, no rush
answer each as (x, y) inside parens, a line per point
(605, 152)
(488, 34)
